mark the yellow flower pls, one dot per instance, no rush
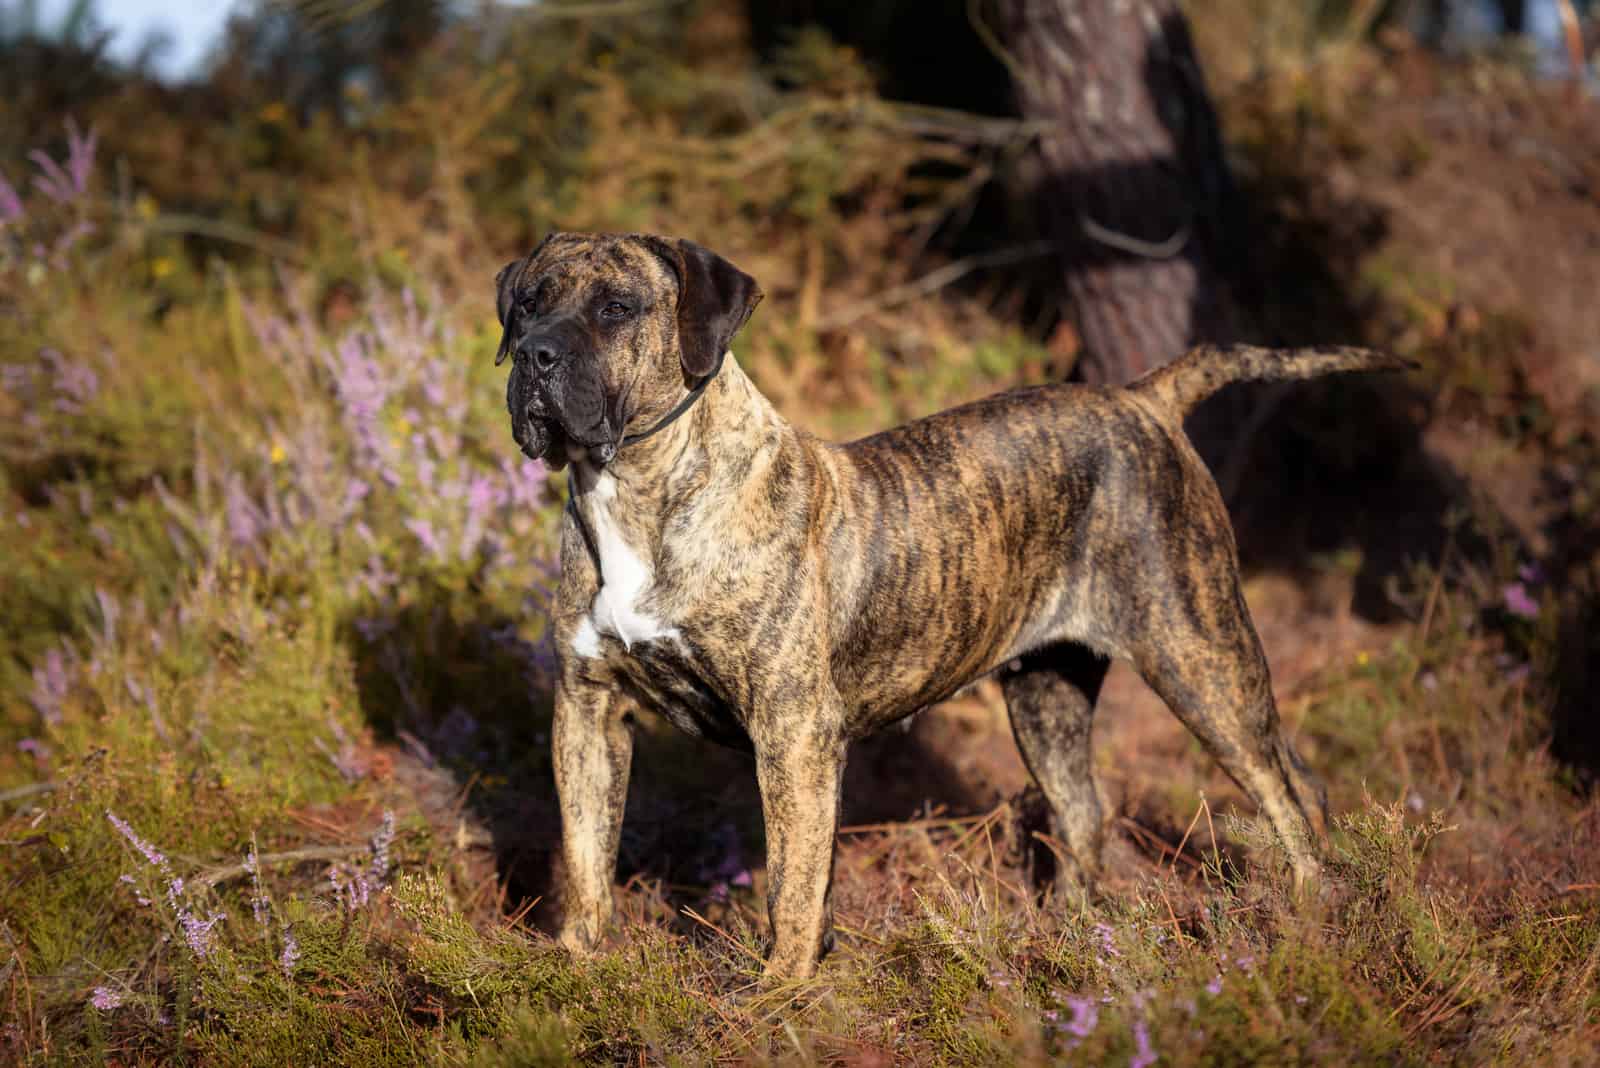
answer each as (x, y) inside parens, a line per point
(145, 206)
(277, 454)
(162, 266)
(274, 112)
(1362, 659)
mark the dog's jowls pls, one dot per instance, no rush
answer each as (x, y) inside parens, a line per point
(771, 591)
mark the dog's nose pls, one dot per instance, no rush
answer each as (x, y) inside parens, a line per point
(545, 356)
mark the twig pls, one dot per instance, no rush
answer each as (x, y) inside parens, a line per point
(1216, 854)
(521, 913)
(1184, 841)
(732, 941)
(294, 856)
(1177, 929)
(222, 230)
(926, 121)
(1136, 246)
(1151, 838)
(934, 281)
(855, 933)
(599, 10)
(17, 793)
(931, 821)
(992, 815)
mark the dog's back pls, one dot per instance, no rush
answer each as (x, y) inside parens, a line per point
(1040, 515)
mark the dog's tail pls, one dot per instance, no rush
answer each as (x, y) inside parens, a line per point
(1204, 369)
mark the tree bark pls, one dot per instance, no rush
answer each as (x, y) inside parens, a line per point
(1133, 187)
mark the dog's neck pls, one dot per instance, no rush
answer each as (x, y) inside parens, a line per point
(719, 441)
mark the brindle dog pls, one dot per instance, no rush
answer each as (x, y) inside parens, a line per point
(771, 591)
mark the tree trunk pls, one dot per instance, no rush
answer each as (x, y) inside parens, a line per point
(1133, 187)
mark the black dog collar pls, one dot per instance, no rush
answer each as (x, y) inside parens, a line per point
(683, 406)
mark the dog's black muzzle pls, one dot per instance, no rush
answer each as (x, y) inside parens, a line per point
(556, 397)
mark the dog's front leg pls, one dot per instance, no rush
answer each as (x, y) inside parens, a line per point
(800, 765)
(591, 746)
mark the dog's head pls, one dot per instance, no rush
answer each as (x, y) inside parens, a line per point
(607, 332)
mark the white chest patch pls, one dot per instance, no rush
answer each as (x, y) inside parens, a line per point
(624, 580)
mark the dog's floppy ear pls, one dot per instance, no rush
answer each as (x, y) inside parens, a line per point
(505, 286)
(715, 299)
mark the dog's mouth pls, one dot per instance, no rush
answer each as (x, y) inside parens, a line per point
(552, 444)
(548, 438)
(565, 417)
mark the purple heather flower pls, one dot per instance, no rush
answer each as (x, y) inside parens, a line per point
(482, 498)
(105, 999)
(258, 899)
(149, 851)
(75, 233)
(372, 629)
(382, 839)
(348, 762)
(197, 932)
(1245, 963)
(1532, 574)
(1518, 603)
(425, 534)
(245, 520)
(426, 468)
(35, 748)
(80, 156)
(378, 580)
(51, 180)
(51, 684)
(110, 611)
(75, 384)
(1215, 986)
(138, 894)
(1143, 1055)
(290, 955)
(1108, 944)
(355, 491)
(1085, 1014)
(350, 888)
(10, 203)
(524, 483)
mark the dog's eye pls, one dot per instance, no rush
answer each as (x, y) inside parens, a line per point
(615, 310)
(530, 307)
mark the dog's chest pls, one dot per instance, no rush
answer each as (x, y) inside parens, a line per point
(626, 579)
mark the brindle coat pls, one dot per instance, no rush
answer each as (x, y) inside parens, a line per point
(771, 591)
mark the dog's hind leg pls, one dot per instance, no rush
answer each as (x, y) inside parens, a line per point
(1050, 700)
(1211, 672)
